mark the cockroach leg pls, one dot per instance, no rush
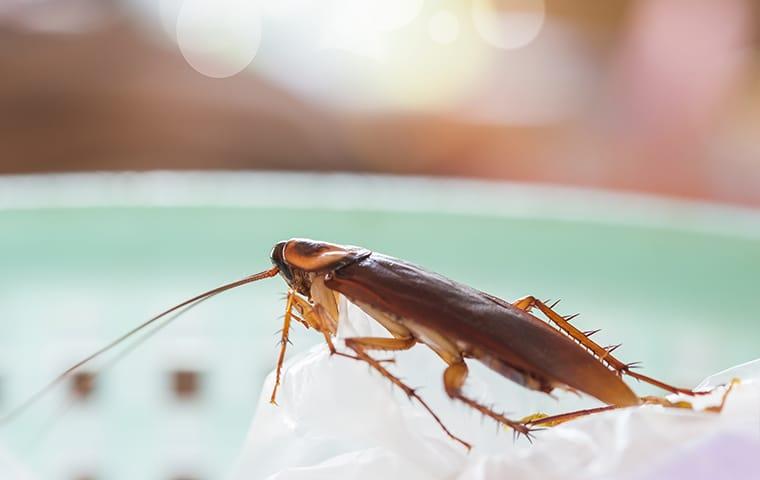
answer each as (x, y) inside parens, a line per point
(553, 420)
(664, 402)
(360, 344)
(311, 315)
(329, 342)
(529, 302)
(310, 318)
(525, 303)
(654, 400)
(603, 354)
(453, 380)
(719, 408)
(381, 343)
(377, 343)
(283, 346)
(663, 385)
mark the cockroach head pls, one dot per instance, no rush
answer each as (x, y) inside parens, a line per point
(299, 259)
(293, 258)
(278, 260)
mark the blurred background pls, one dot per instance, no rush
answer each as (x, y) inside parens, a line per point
(603, 152)
(658, 96)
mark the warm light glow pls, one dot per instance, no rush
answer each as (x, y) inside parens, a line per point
(386, 54)
(508, 24)
(443, 27)
(362, 27)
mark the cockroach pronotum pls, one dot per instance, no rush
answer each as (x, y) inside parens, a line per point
(454, 320)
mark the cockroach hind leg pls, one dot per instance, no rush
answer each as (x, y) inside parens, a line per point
(525, 303)
(563, 323)
(719, 408)
(664, 402)
(660, 384)
(654, 400)
(453, 380)
(603, 354)
(554, 420)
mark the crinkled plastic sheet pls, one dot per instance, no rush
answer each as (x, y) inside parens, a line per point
(336, 420)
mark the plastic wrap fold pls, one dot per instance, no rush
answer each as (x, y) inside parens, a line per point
(337, 420)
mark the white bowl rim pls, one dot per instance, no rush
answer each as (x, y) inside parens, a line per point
(373, 192)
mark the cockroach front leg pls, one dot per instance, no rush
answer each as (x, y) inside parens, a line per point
(601, 353)
(453, 380)
(310, 318)
(283, 345)
(360, 345)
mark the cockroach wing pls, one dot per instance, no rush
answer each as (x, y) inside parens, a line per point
(475, 319)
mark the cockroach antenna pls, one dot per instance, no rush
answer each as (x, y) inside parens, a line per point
(13, 414)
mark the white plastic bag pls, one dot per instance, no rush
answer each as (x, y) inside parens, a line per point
(336, 420)
(10, 468)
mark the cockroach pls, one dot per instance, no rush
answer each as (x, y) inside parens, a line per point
(455, 321)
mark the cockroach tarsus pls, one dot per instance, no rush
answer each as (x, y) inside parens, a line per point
(455, 321)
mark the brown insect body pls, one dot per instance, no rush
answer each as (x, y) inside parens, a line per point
(477, 325)
(456, 321)
(453, 319)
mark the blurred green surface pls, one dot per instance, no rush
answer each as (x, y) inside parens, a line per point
(682, 302)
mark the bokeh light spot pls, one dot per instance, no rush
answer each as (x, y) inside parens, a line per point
(219, 38)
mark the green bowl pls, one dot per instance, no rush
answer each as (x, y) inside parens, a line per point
(86, 257)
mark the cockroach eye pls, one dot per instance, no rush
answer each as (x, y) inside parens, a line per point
(278, 260)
